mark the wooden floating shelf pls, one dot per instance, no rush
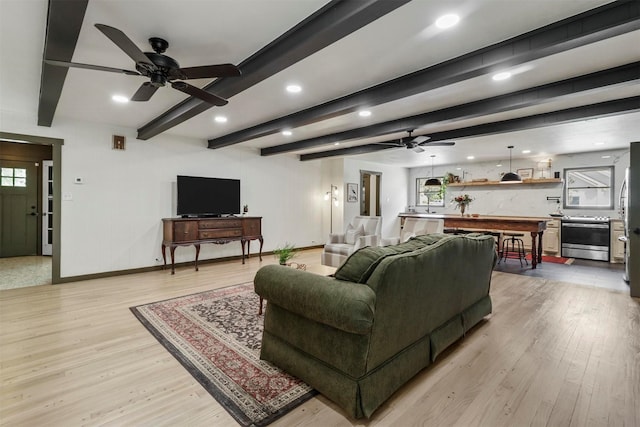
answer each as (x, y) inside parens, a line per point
(524, 182)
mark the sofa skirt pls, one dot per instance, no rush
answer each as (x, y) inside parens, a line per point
(359, 397)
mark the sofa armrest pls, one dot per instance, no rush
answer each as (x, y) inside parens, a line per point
(343, 305)
(369, 240)
(335, 238)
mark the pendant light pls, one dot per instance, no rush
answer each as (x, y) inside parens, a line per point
(433, 181)
(510, 177)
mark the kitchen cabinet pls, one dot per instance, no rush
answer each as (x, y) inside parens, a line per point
(551, 238)
(617, 247)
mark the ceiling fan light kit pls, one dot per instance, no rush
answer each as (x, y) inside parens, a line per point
(159, 68)
(416, 143)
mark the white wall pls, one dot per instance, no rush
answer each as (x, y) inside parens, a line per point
(525, 200)
(113, 221)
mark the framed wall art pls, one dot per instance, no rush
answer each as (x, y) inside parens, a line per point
(352, 192)
(526, 173)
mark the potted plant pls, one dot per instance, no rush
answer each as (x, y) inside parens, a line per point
(285, 253)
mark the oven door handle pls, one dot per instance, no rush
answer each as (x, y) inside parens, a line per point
(574, 225)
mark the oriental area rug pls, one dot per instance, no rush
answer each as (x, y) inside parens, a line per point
(216, 336)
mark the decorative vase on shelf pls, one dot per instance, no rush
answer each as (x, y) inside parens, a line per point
(462, 208)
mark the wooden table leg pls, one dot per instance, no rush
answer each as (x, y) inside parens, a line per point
(164, 256)
(197, 245)
(540, 246)
(534, 251)
(260, 309)
(261, 242)
(242, 242)
(172, 250)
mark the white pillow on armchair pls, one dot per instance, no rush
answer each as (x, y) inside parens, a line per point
(352, 234)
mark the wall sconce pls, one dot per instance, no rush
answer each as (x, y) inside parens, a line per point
(333, 196)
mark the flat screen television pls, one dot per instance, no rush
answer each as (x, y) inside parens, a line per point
(202, 197)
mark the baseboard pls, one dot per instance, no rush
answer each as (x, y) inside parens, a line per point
(102, 275)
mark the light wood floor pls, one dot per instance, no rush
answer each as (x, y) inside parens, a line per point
(552, 354)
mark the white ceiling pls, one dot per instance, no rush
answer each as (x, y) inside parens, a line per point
(208, 32)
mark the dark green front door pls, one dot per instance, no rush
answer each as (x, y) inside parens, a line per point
(18, 208)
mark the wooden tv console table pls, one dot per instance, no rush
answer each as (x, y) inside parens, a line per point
(195, 231)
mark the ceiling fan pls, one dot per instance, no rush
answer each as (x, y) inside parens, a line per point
(160, 68)
(416, 143)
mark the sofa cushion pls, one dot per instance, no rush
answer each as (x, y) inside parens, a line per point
(361, 264)
(352, 234)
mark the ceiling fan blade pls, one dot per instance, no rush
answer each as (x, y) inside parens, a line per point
(144, 92)
(439, 144)
(90, 67)
(421, 139)
(199, 93)
(123, 42)
(208, 72)
(417, 149)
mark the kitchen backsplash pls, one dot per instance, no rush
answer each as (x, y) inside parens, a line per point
(519, 199)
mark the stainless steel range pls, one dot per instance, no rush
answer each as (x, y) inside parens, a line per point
(585, 237)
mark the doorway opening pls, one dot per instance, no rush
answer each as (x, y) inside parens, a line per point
(370, 183)
(29, 210)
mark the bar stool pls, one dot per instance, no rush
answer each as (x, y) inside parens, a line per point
(513, 247)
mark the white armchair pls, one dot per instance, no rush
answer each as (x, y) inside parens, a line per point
(415, 227)
(362, 231)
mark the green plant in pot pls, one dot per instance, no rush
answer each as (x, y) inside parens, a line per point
(285, 253)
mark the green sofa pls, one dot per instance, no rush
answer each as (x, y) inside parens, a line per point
(387, 314)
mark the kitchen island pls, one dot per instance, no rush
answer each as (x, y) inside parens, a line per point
(533, 225)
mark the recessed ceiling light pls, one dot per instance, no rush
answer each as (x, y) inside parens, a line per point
(598, 143)
(364, 113)
(470, 157)
(287, 133)
(501, 76)
(526, 151)
(120, 98)
(447, 21)
(336, 143)
(606, 157)
(294, 88)
(220, 119)
(499, 165)
(458, 169)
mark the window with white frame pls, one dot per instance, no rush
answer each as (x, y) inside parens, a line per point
(588, 188)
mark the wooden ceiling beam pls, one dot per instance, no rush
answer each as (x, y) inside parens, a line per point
(607, 21)
(602, 80)
(603, 109)
(64, 20)
(329, 24)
